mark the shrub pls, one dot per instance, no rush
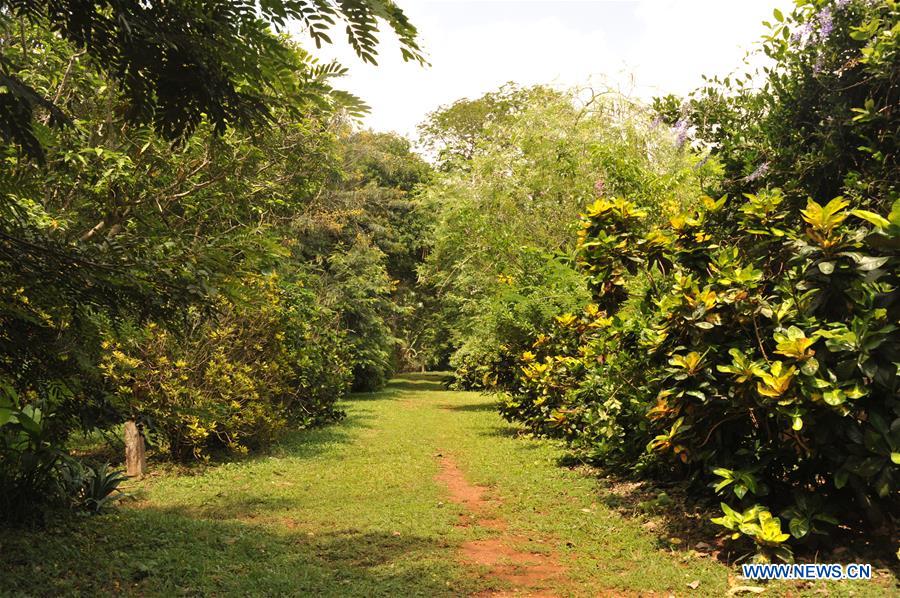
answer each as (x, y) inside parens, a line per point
(519, 165)
(781, 347)
(91, 488)
(237, 376)
(28, 458)
(34, 470)
(757, 334)
(506, 322)
(776, 344)
(357, 288)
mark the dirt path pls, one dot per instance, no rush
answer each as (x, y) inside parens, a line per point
(527, 573)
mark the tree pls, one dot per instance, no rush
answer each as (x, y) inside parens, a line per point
(822, 119)
(453, 132)
(519, 166)
(182, 62)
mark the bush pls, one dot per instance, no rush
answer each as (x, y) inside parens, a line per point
(507, 321)
(357, 288)
(34, 470)
(237, 376)
(756, 335)
(777, 347)
(28, 458)
(782, 350)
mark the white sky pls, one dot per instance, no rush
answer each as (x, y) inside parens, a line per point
(641, 47)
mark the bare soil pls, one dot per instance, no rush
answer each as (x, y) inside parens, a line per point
(525, 573)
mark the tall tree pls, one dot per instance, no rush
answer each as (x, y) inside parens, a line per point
(182, 61)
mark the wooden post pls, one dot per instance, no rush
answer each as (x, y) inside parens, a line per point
(135, 457)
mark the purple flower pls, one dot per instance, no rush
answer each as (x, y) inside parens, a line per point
(760, 171)
(599, 187)
(802, 33)
(681, 131)
(841, 3)
(825, 22)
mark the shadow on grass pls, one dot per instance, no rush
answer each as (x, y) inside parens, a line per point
(167, 553)
(418, 384)
(472, 407)
(505, 431)
(235, 505)
(309, 442)
(415, 382)
(439, 377)
(303, 443)
(682, 523)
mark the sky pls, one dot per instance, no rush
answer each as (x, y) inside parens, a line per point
(640, 47)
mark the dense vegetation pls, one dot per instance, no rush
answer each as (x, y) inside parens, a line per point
(743, 329)
(516, 168)
(705, 289)
(215, 289)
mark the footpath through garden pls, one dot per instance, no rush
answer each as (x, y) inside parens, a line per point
(418, 492)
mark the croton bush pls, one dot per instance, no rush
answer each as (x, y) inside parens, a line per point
(751, 345)
(744, 345)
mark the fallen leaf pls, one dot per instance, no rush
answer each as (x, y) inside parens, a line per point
(694, 584)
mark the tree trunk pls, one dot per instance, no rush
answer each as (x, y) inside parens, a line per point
(135, 458)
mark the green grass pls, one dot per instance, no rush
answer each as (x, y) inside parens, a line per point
(354, 510)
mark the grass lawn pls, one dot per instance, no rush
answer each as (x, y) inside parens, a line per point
(359, 509)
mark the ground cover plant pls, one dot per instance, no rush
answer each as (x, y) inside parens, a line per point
(361, 509)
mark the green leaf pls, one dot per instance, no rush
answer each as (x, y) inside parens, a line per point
(721, 485)
(833, 397)
(810, 367)
(894, 216)
(729, 511)
(799, 527)
(872, 218)
(779, 16)
(840, 479)
(895, 458)
(32, 427)
(826, 267)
